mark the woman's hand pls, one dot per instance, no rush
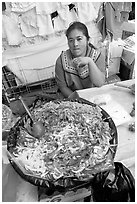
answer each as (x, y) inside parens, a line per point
(96, 76)
(81, 61)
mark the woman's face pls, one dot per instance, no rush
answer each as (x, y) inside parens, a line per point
(77, 43)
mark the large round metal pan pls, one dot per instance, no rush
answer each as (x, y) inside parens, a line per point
(67, 182)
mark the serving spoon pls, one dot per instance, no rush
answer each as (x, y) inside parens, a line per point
(38, 128)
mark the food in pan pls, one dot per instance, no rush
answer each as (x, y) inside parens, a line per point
(76, 142)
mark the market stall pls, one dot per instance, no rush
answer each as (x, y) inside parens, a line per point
(118, 101)
(61, 165)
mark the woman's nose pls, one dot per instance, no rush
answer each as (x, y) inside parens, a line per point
(75, 42)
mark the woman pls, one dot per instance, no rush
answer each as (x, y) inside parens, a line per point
(82, 65)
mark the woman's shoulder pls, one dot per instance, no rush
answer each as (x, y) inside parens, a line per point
(60, 58)
(94, 52)
(92, 46)
(64, 52)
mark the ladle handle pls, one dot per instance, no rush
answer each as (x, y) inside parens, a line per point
(26, 108)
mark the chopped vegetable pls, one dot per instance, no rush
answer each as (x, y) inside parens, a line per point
(76, 141)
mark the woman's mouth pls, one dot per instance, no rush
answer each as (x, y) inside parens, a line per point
(76, 49)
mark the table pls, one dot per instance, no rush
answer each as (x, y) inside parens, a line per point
(126, 139)
(15, 189)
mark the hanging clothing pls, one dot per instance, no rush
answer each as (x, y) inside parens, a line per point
(62, 20)
(72, 15)
(45, 25)
(58, 23)
(111, 16)
(65, 17)
(66, 72)
(12, 30)
(21, 6)
(47, 7)
(122, 10)
(101, 21)
(44, 21)
(28, 23)
(86, 11)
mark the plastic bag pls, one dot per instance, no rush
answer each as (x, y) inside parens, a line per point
(116, 185)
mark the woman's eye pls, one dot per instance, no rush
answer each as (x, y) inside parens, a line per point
(70, 41)
(79, 39)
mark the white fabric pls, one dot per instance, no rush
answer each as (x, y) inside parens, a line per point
(95, 35)
(47, 7)
(96, 5)
(59, 24)
(21, 6)
(53, 42)
(86, 11)
(61, 21)
(28, 23)
(65, 3)
(67, 16)
(42, 10)
(3, 29)
(35, 62)
(72, 16)
(45, 25)
(12, 30)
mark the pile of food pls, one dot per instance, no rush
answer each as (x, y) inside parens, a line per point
(76, 142)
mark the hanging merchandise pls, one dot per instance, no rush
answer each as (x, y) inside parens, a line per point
(72, 15)
(96, 6)
(44, 20)
(61, 20)
(45, 25)
(101, 21)
(86, 11)
(47, 7)
(21, 6)
(58, 24)
(66, 13)
(121, 10)
(11, 28)
(28, 23)
(111, 16)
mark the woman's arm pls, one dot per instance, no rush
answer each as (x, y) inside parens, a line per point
(97, 76)
(66, 91)
(60, 79)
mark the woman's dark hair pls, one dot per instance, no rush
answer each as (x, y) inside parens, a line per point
(79, 26)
